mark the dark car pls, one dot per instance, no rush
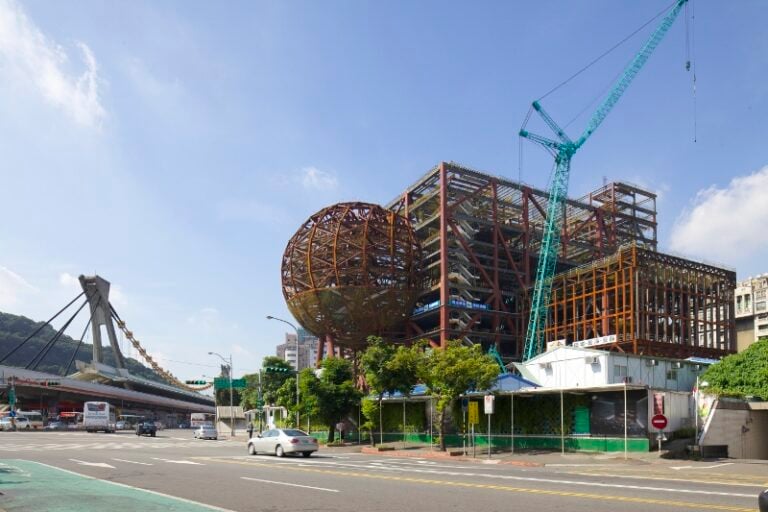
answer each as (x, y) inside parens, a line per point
(146, 428)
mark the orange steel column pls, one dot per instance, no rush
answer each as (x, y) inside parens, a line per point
(443, 255)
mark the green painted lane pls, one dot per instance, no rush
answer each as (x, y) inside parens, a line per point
(28, 485)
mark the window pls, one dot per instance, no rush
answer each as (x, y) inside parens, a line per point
(619, 370)
(760, 306)
(760, 294)
(671, 374)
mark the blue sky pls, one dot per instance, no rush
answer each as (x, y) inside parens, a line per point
(175, 147)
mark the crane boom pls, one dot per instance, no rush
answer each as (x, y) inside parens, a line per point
(564, 151)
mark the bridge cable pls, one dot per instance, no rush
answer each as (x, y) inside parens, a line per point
(44, 352)
(168, 376)
(6, 356)
(82, 337)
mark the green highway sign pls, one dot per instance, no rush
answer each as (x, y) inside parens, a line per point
(223, 383)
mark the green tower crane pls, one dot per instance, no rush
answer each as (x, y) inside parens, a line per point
(563, 149)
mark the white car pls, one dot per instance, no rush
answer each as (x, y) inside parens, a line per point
(22, 423)
(206, 432)
(281, 441)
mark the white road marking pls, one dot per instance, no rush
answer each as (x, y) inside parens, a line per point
(576, 465)
(702, 467)
(179, 461)
(380, 466)
(97, 464)
(286, 483)
(126, 486)
(134, 462)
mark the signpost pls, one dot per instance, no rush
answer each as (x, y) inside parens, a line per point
(659, 421)
(488, 406)
(474, 419)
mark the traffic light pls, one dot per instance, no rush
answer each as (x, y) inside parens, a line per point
(195, 382)
(50, 383)
(277, 369)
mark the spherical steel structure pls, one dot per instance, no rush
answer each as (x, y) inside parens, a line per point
(352, 270)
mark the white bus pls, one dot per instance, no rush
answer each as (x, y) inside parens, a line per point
(98, 416)
(35, 418)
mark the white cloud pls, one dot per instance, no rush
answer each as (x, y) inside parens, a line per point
(726, 224)
(28, 56)
(12, 288)
(68, 280)
(205, 318)
(313, 178)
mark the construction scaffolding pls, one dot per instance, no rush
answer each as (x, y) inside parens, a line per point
(481, 235)
(644, 302)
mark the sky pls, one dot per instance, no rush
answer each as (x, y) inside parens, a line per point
(175, 147)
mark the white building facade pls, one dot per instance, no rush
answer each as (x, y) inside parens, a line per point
(751, 296)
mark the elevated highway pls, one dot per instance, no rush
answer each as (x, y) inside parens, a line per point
(32, 388)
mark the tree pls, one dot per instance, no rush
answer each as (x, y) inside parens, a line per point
(742, 374)
(379, 379)
(271, 381)
(332, 396)
(454, 370)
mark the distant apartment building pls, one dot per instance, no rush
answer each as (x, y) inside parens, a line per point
(307, 349)
(751, 310)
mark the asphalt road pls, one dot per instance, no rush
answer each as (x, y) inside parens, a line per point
(220, 475)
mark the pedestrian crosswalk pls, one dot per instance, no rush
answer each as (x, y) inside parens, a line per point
(108, 445)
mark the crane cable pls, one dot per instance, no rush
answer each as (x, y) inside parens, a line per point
(690, 59)
(608, 51)
(168, 376)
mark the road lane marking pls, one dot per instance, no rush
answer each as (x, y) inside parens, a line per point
(286, 483)
(547, 492)
(701, 467)
(126, 486)
(134, 462)
(97, 464)
(377, 465)
(718, 481)
(179, 461)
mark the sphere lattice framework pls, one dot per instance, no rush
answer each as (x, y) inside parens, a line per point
(352, 269)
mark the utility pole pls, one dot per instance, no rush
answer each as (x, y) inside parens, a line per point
(231, 405)
(270, 317)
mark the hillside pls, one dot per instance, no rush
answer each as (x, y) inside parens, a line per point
(14, 329)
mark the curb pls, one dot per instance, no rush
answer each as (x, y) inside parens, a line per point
(405, 454)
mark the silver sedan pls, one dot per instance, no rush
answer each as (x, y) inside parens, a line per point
(206, 432)
(281, 441)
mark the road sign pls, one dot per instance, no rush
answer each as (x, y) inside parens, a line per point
(12, 414)
(474, 414)
(223, 383)
(488, 403)
(659, 421)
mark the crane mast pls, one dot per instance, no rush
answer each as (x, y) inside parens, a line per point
(563, 149)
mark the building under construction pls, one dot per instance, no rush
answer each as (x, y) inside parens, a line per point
(481, 235)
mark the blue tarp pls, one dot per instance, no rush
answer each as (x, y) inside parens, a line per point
(504, 384)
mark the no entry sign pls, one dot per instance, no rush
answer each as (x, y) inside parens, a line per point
(659, 421)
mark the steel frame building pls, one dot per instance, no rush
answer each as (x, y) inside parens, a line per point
(645, 302)
(480, 236)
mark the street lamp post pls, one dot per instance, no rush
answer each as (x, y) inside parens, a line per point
(269, 317)
(231, 406)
